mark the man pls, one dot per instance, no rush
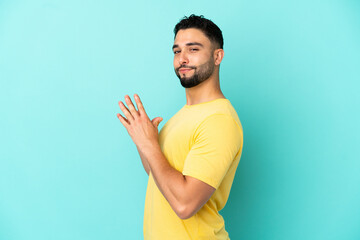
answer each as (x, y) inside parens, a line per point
(192, 161)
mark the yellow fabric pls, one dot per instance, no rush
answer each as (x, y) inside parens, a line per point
(203, 141)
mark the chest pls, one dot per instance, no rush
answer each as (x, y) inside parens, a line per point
(176, 139)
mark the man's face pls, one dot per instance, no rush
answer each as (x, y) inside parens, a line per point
(193, 57)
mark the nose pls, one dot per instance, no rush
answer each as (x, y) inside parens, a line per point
(183, 59)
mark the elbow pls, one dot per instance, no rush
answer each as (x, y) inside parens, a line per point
(185, 212)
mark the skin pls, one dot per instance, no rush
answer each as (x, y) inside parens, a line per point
(186, 195)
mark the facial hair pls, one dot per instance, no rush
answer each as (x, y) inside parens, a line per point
(201, 73)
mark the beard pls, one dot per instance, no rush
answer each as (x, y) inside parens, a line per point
(201, 73)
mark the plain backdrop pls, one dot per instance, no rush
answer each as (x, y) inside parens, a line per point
(69, 170)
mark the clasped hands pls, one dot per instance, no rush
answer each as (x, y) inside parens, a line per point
(142, 130)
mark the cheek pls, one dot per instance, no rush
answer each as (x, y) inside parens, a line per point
(176, 62)
(199, 59)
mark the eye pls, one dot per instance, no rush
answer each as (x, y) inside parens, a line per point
(176, 51)
(193, 49)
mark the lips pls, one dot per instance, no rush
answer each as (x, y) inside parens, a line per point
(185, 70)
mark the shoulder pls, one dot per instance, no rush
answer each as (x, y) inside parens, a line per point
(220, 115)
(219, 124)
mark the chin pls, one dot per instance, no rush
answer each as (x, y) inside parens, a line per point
(189, 83)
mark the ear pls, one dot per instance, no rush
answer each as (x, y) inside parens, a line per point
(218, 56)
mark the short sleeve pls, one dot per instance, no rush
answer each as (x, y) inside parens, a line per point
(217, 141)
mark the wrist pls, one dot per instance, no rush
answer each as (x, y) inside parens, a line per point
(149, 148)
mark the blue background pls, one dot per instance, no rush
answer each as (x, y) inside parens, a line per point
(68, 169)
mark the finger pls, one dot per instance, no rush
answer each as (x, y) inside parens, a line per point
(126, 111)
(139, 105)
(156, 121)
(131, 106)
(123, 120)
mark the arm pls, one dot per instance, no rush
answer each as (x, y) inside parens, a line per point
(156, 121)
(186, 195)
(144, 161)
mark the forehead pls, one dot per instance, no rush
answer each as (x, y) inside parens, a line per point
(184, 36)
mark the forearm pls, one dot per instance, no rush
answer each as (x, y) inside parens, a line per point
(173, 185)
(170, 182)
(144, 162)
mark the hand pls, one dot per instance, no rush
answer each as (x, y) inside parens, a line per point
(142, 131)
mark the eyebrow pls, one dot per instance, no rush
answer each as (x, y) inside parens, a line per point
(189, 44)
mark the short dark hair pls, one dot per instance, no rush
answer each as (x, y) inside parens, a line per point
(209, 28)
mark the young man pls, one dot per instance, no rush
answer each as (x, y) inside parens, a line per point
(192, 161)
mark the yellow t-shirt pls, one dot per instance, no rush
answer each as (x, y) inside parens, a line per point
(203, 141)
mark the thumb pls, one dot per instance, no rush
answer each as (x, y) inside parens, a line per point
(156, 121)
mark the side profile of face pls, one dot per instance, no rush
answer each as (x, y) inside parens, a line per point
(193, 57)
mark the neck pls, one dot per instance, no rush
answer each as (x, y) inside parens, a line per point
(204, 92)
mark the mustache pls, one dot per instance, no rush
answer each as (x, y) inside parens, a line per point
(185, 66)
